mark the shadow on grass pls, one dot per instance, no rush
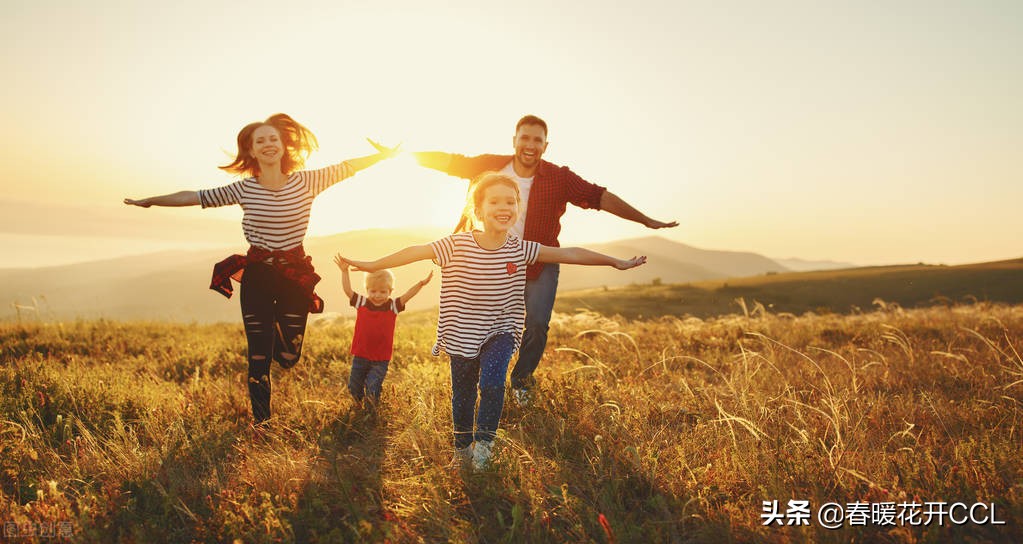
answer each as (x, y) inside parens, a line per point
(342, 501)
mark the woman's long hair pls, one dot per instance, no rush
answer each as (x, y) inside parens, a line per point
(298, 142)
(474, 197)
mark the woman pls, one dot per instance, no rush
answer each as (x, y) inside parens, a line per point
(276, 197)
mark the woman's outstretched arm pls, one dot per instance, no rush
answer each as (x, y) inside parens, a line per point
(384, 152)
(180, 198)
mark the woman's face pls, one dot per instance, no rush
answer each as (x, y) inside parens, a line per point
(267, 146)
(499, 209)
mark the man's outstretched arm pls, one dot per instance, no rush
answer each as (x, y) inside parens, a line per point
(610, 202)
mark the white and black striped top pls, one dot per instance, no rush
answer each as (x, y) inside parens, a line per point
(482, 291)
(276, 220)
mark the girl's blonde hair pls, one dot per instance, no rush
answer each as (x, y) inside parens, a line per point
(380, 276)
(474, 198)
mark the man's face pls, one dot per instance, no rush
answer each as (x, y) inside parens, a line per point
(530, 142)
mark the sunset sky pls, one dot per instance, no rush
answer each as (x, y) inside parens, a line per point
(863, 132)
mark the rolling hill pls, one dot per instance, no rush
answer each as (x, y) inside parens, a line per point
(838, 291)
(172, 286)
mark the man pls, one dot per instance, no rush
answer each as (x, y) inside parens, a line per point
(545, 190)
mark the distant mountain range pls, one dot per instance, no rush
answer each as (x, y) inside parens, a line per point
(173, 285)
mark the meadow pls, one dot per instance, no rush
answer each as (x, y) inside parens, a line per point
(664, 429)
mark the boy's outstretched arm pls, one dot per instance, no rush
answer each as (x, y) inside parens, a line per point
(579, 255)
(414, 290)
(405, 256)
(346, 280)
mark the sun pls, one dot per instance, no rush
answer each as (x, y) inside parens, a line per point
(396, 193)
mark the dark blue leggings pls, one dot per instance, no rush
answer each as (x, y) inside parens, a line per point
(481, 377)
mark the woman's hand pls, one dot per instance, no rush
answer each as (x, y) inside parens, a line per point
(625, 264)
(387, 152)
(143, 203)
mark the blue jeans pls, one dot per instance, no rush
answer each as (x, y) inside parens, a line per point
(539, 306)
(482, 377)
(367, 378)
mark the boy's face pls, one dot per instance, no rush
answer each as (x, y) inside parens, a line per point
(378, 292)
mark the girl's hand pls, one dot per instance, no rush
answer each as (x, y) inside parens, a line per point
(387, 152)
(427, 280)
(630, 263)
(144, 203)
(340, 262)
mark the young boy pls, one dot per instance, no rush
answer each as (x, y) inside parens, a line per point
(373, 341)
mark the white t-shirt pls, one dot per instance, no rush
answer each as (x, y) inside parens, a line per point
(482, 291)
(524, 185)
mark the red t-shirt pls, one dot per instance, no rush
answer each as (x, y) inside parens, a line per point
(374, 327)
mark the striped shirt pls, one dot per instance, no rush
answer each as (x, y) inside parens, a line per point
(482, 292)
(276, 220)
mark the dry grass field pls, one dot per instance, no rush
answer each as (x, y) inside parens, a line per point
(655, 430)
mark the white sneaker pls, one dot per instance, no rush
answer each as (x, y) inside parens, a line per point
(481, 455)
(521, 397)
(463, 457)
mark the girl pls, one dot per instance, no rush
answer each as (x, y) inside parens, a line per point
(482, 306)
(276, 197)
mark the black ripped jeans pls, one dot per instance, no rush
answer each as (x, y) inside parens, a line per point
(274, 311)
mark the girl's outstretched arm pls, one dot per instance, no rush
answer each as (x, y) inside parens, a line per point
(579, 255)
(400, 258)
(180, 198)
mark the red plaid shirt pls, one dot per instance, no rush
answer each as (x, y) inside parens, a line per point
(292, 263)
(553, 188)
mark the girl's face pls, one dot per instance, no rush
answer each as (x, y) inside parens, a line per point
(267, 146)
(499, 209)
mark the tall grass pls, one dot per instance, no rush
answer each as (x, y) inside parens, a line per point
(665, 430)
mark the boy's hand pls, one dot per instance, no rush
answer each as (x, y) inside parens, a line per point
(340, 262)
(625, 264)
(427, 279)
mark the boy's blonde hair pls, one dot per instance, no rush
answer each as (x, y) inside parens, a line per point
(379, 277)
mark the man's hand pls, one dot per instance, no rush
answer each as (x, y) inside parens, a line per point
(655, 224)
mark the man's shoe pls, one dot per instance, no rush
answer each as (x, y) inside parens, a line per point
(521, 396)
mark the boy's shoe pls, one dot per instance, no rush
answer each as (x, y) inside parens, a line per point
(463, 458)
(482, 455)
(521, 396)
